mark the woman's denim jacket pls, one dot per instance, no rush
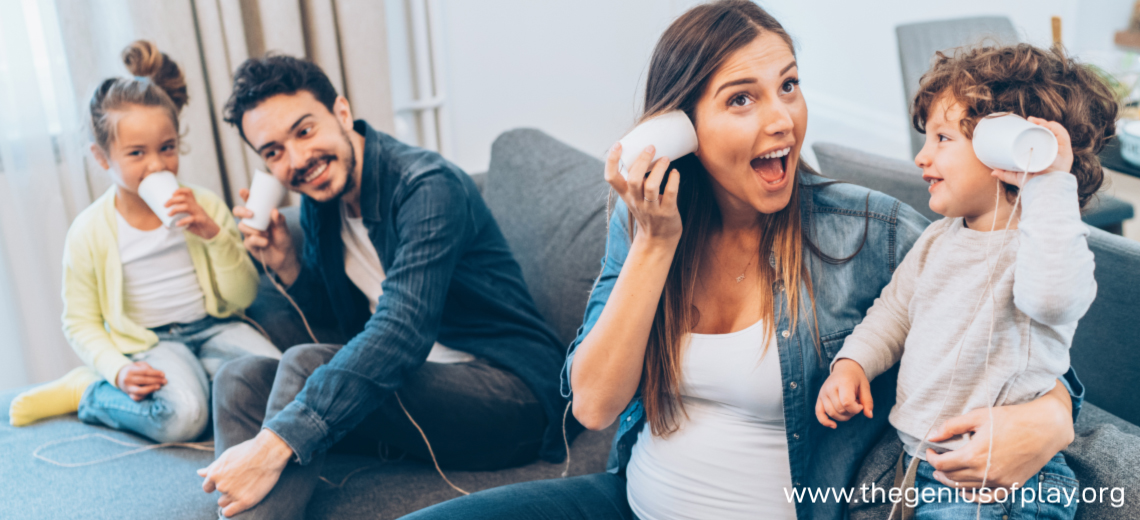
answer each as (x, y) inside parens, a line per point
(843, 220)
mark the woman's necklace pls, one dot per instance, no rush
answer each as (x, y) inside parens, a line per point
(741, 277)
(744, 273)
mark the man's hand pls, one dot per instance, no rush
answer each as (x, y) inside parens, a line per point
(139, 380)
(198, 222)
(246, 473)
(1025, 437)
(274, 246)
(845, 393)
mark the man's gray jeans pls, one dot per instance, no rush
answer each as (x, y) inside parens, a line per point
(476, 415)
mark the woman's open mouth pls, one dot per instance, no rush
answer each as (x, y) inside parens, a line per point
(772, 167)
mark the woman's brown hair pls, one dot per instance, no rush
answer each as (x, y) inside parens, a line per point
(685, 59)
(1027, 81)
(157, 82)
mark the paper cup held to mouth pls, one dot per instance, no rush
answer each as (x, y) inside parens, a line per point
(157, 188)
(1008, 142)
(671, 133)
(265, 193)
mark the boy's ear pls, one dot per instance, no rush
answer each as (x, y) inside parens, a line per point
(100, 157)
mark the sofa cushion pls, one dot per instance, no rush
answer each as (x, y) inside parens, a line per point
(550, 199)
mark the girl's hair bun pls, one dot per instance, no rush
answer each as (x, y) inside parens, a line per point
(144, 60)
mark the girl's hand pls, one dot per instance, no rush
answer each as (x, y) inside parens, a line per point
(845, 393)
(655, 212)
(198, 222)
(139, 380)
(1063, 163)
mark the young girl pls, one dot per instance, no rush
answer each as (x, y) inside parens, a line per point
(149, 309)
(979, 314)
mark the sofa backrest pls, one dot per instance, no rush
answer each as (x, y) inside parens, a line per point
(917, 43)
(1106, 348)
(550, 201)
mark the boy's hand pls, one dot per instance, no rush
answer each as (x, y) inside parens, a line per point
(198, 222)
(1063, 163)
(139, 380)
(845, 393)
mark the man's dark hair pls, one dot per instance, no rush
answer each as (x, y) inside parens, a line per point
(259, 79)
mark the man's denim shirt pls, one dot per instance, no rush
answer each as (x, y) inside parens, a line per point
(450, 276)
(839, 216)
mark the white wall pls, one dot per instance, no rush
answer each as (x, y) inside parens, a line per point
(576, 69)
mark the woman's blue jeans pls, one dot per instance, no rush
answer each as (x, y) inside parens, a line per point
(599, 496)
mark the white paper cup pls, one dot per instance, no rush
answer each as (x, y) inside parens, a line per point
(265, 193)
(671, 133)
(157, 188)
(1004, 141)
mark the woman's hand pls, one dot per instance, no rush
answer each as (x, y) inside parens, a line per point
(198, 222)
(1025, 437)
(845, 393)
(655, 212)
(139, 380)
(274, 246)
(1063, 163)
(607, 366)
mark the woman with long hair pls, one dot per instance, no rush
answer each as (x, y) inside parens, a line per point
(731, 278)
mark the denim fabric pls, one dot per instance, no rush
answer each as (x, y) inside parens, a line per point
(843, 220)
(1052, 494)
(600, 496)
(450, 278)
(189, 355)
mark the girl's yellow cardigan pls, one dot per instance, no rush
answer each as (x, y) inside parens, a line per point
(93, 318)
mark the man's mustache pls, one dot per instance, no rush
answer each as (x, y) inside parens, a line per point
(299, 174)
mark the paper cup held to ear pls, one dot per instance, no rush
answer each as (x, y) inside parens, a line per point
(157, 188)
(671, 133)
(265, 193)
(1005, 141)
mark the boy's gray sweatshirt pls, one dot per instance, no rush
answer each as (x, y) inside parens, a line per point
(936, 313)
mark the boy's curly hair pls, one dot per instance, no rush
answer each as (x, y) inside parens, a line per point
(1027, 81)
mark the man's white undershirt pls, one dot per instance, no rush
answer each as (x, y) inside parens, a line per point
(363, 267)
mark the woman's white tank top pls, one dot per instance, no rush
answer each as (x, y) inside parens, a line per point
(729, 458)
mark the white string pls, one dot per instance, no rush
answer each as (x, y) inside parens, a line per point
(566, 439)
(273, 278)
(139, 448)
(989, 341)
(430, 451)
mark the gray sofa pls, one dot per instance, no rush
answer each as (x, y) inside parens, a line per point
(549, 200)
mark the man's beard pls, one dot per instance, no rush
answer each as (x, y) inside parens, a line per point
(349, 162)
(349, 179)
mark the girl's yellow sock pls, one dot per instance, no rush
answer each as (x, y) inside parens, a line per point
(50, 399)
